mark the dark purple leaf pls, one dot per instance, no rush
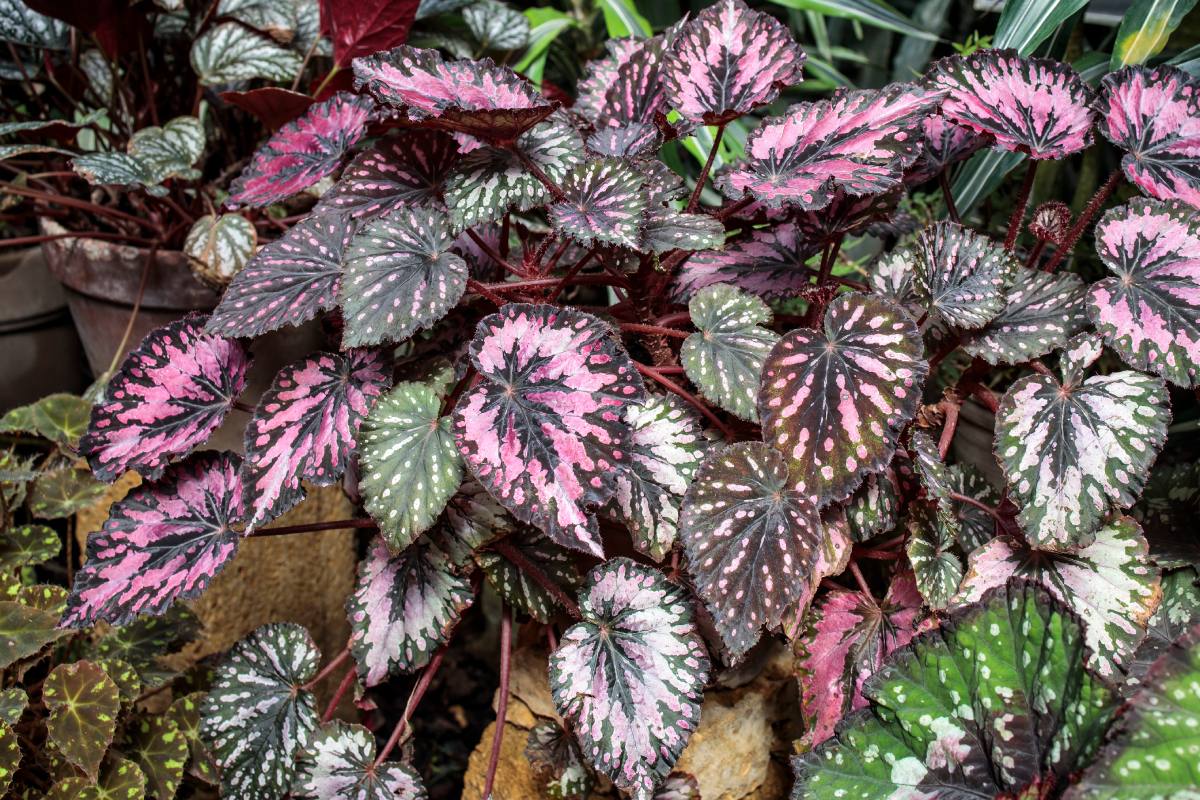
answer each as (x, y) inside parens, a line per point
(944, 144)
(1041, 312)
(407, 169)
(273, 106)
(604, 204)
(303, 151)
(637, 92)
(846, 215)
(771, 263)
(601, 74)
(167, 397)
(632, 140)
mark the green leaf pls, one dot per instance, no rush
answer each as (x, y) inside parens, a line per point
(144, 641)
(170, 150)
(28, 545)
(873, 508)
(61, 418)
(869, 12)
(277, 18)
(13, 702)
(120, 779)
(725, 358)
(937, 567)
(129, 683)
(61, 492)
(186, 713)
(496, 26)
(1178, 613)
(411, 466)
(25, 630)
(158, 746)
(10, 756)
(516, 586)
(622, 19)
(83, 703)
(1025, 24)
(231, 52)
(1145, 29)
(992, 702)
(666, 229)
(219, 246)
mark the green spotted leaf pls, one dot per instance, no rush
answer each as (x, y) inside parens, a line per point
(10, 755)
(1178, 612)
(13, 702)
(61, 492)
(994, 701)
(83, 703)
(938, 570)
(25, 630)
(666, 229)
(185, 711)
(61, 418)
(129, 683)
(28, 545)
(218, 246)
(230, 52)
(156, 744)
(143, 642)
(120, 779)
(257, 718)
(339, 764)
(1041, 312)
(516, 586)
(410, 464)
(725, 357)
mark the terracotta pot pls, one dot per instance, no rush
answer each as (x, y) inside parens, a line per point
(101, 280)
(39, 351)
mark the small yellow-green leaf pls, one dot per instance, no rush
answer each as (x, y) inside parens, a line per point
(83, 703)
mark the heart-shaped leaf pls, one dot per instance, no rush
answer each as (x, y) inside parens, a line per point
(401, 276)
(1109, 585)
(516, 586)
(25, 630)
(477, 98)
(13, 702)
(859, 141)
(1041, 312)
(1151, 115)
(630, 675)
(729, 60)
(1076, 450)
(303, 151)
(603, 203)
(83, 703)
(976, 526)
(873, 508)
(834, 400)
(144, 642)
(304, 427)
(771, 263)
(495, 26)
(750, 541)
(1037, 106)
(1150, 312)
(339, 764)
(846, 215)
(170, 393)
(545, 431)
(164, 542)
(120, 779)
(403, 608)
(632, 140)
(258, 717)
(160, 749)
(408, 169)
(410, 465)
(725, 357)
(229, 53)
(847, 637)
(153, 155)
(938, 570)
(944, 145)
(289, 281)
(473, 519)
(219, 246)
(666, 448)
(960, 275)
(61, 418)
(993, 702)
(557, 763)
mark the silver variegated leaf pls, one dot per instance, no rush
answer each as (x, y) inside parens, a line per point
(603, 203)
(961, 275)
(666, 229)
(229, 52)
(218, 246)
(339, 764)
(937, 568)
(1042, 311)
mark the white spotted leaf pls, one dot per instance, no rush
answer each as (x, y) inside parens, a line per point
(960, 275)
(603, 203)
(930, 549)
(339, 764)
(1041, 312)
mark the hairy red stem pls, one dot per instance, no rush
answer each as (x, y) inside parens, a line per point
(1018, 214)
(948, 194)
(635, 327)
(329, 668)
(1089, 212)
(313, 527)
(703, 178)
(343, 687)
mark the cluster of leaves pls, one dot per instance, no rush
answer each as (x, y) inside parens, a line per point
(545, 351)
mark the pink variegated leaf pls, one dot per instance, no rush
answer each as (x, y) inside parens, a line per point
(1042, 311)
(168, 396)
(847, 638)
(604, 203)
(545, 430)
(637, 91)
(401, 276)
(164, 542)
(846, 215)
(303, 151)
(630, 675)
(602, 74)
(1037, 106)
(289, 281)
(403, 608)
(631, 140)
(729, 60)
(833, 400)
(478, 98)
(944, 144)
(750, 541)
(339, 764)
(1150, 312)
(1109, 584)
(408, 169)
(557, 764)
(1154, 116)
(959, 275)
(857, 141)
(771, 263)
(305, 425)
(874, 508)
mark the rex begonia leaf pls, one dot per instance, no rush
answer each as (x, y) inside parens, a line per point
(666, 447)
(401, 276)
(728, 60)
(25, 630)
(976, 527)
(604, 201)
(165, 541)
(1153, 753)
(303, 151)
(10, 755)
(185, 711)
(1154, 116)
(21, 25)
(1169, 503)
(833, 400)
(144, 642)
(601, 73)
(403, 608)
(545, 430)
(473, 518)
(516, 586)
(750, 541)
(847, 637)
(230, 52)
(120, 779)
(339, 764)
(83, 703)
(937, 569)
(678, 786)
(13, 702)
(845, 215)
(1073, 451)
(496, 26)
(489, 182)
(258, 717)
(631, 140)
(410, 465)
(860, 141)
(944, 145)
(874, 507)
(478, 98)
(407, 169)
(170, 393)
(219, 245)
(1150, 312)
(156, 744)
(305, 425)
(630, 675)
(1108, 584)
(927, 463)
(725, 357)
(665, 229)
(770, 263)
(637, 91)
(1037, 106)
(289, 281)
(62, 418)
(63, 491)
(960, 275)
(1041, 312)
(28, 545)
(557, 763)
(994, 702)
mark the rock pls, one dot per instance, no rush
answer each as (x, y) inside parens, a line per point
(514, 778)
